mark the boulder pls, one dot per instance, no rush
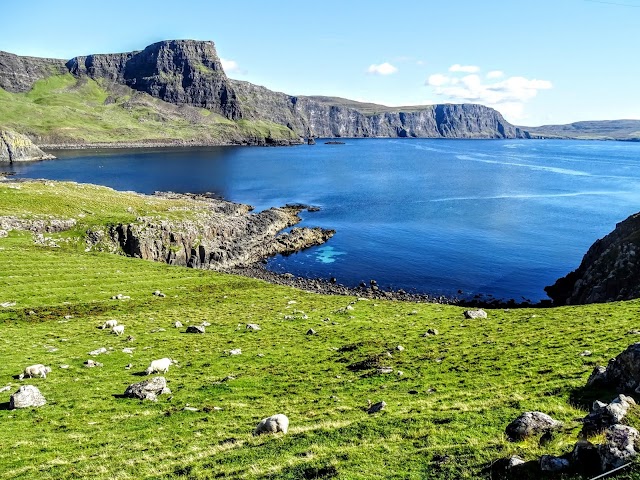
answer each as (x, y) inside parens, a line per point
(376, 407)
(98, 351)
(272, 424)
(619, 447)
(27, 396)
(254, 327)
(473, 314)
(598, 376)
(531, 423)
(551, 464)
(603, 415)
(148, 389)
(622, 373)
(15, 147)
(195, 329)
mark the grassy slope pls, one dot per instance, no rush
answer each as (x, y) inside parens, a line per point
(62, 109)
(483, 372)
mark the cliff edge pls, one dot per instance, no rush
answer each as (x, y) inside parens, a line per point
(610, 270)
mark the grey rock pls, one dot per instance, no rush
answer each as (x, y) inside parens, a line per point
(400, 348)
(158, 293)
(205, 323)
(598, 376)
(190, 409)
(605, 415)
(430, 332)
(235, 351)
(253, 327)
(384, 370)
(178, 325)
(551, 464)
(514, 461)
(27, 396)
(622, 373)
(273, 424)
(586, 353)
(92, 363)
(15, 147)
(195, 329)
(148, 389)
(473, 314)
(311, 331)
(531, 423)
(619, 446)
(98, 351)
(376, 407)
(6, 388)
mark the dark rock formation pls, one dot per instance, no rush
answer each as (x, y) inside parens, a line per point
(15, 147)
(176, 71)
(332, 117)
(622, 373)
(18, 74)
(148, 389)
(603, 416)
(609, 271)
(531, 423)
(223, 235)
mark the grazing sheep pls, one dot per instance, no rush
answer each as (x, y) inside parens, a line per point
(273, 424)
(109, 324)
(160, 366)
(118, 329)
(38, 370)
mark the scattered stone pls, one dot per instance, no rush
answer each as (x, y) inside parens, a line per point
(64, 367)
(27, 396)
(148, 389)
(127, 350)
(531, 423)
(190, 409)
(158, 293)
(157, 330)
(413, 312)
(92, 363)
(195, 329)
(205, 323)
(586, 353)
(7, 304)
(514, 461)
(384, 370)
(254, 327)
(376, 407)
(473, 314)
(120, 297)
(400, 348)
(5, 389)
(349, 307)
(430, 332)
(129, 366)
(388, 354)
(619, 446)
(399, 373)
(622, 373)
(311, 331)
(291, 302)
(130, 338)
(98, 351)
(549, 463)
(272, 424)
(633, 332)
(68, 317)
(235, 351)
(260, 355)
(603, 416)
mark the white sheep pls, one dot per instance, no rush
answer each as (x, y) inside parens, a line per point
(118, 329)
(109, 324)
(273, 424)
(35, 370)
(160, 366)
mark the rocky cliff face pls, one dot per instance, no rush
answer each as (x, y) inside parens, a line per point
(224, 237)
(324, 117)
(18, 74)
(609, 271)
(176, 71)
(15, 147)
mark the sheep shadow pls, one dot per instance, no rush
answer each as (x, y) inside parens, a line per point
(140, 374)
(583, 397)
(5, 406)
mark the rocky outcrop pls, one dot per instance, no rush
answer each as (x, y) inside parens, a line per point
(330, 117)
(148, 389)
(18, 74)
(176, 71)
(609, 271)
(222, 235)
(15, 147)
(622, 373)
(531, 423)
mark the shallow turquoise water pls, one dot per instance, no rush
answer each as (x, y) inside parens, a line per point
(494, 217)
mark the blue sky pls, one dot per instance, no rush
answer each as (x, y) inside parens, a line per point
(536, 62)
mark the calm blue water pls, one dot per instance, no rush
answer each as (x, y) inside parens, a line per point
(503, 218)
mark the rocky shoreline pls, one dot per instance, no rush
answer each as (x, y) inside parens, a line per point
(269, 142)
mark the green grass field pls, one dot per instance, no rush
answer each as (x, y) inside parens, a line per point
(64, 109)
(445, 416)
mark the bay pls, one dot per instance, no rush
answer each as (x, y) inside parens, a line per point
(492, 217)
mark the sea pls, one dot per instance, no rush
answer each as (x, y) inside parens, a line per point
(459, 218)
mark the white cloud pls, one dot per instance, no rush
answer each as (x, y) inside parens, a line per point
(230, 66)
(438, 80)
(508, 95)
(421, 63)
(464, 68)
(382, 69)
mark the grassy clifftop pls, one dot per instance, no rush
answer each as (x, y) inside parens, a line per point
(445, 415)
(63, 109)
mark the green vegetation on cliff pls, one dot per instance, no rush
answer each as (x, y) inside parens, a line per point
(445, 416)
(63, 109)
